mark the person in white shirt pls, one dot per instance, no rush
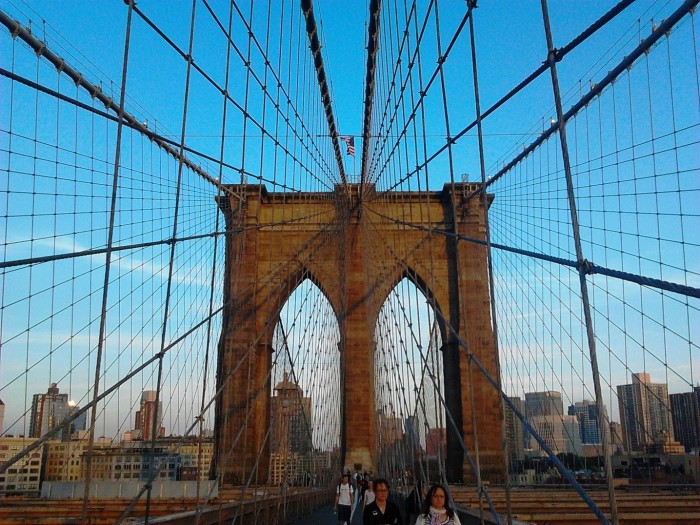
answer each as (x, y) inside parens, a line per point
(344, 496)
(369, 494)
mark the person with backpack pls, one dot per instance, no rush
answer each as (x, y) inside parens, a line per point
(344, 496)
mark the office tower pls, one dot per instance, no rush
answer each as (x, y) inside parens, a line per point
(546, 403)
(559, 433)
(588, 422)
(685, 410)
(290, 419)
(514, 431)
(143, 427)
(290, 433)
(49, 409)
(644, 412)
(542, 404)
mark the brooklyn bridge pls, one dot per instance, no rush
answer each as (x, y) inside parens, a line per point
(250, 246)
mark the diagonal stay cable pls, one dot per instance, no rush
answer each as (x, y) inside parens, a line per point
(159, 139)
(588, 266)
(312, 31)
(242, 109)
(129, 120)
(560, 54)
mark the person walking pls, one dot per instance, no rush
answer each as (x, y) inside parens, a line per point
(369, 495)
(381, 511)
(437, 509)
(344, 500)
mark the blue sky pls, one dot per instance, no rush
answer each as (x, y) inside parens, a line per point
(510, 44)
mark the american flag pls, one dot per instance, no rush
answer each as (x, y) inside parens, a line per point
(350, 141)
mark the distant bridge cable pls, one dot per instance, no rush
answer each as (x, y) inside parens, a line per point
(588, 266)
(561, 52)
(96, 92)
(660, 31)
(312, 31)
(241, 107)
(160, 139)
(372, 49)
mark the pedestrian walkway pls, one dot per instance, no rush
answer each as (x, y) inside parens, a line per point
(325, 516)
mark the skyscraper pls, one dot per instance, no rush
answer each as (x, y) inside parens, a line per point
(49, 409)
(685, 409)
(290, 419)
(547, 404)
(145, 416)
(291, 446)
(514, 432)
(644, 412)
(587, 413)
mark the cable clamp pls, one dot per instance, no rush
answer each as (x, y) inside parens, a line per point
(586, 266)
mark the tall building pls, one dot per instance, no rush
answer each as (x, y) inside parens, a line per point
(685, 410)
(290, 418)
(617, 441)
(644, 412)
(49, 409)
(514, 432)
(588, 422)
(143, 425)
(541, 404)
(546, 403)
(559, 433)
(290, 437)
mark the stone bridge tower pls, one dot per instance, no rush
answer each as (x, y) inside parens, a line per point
(274, 243)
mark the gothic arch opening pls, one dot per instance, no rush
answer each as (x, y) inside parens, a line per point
(306, 399)
(408, 385)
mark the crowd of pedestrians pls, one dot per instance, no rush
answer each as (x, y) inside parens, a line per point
(369, 495)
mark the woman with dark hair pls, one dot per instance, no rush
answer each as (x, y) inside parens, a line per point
(437, 509)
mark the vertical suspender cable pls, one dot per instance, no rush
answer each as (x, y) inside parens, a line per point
(489, 259)
(551, 59)
(155, 423)
(214, 263)
(108, 261)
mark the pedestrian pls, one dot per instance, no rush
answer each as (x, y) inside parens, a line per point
(369, 495)
(381, 511)
(437, 508)
(344, 499)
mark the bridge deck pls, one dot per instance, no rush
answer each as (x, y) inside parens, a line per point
(324, 516)
(560, 506)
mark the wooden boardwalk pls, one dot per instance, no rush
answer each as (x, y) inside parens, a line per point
(560, 506)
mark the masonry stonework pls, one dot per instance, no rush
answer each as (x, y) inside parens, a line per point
(355, 248)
